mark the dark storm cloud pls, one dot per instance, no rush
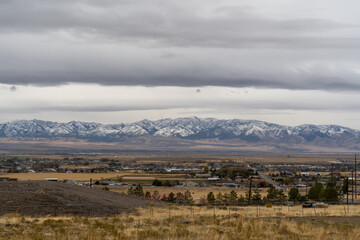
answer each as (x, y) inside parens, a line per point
(170, 24)
(210, 42)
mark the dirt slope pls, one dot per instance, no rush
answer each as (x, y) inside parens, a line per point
(40, 198)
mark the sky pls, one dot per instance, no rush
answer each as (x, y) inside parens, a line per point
(290, 62)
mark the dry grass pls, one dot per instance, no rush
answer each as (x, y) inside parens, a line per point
(240, 224)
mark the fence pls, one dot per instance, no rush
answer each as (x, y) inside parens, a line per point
(163, 210)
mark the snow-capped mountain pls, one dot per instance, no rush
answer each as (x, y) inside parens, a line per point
(186, 128)
(183, 133)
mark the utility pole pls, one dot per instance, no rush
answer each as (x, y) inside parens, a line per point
(347, 193)
(250, 190)
(352, 187)
(355, 179)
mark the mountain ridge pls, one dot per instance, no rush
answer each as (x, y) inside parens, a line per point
(189, 128)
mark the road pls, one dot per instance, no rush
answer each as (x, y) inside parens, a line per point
(267, 179)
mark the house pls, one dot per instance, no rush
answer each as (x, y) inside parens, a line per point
(305, 174)
(213, 179)
(190, 184)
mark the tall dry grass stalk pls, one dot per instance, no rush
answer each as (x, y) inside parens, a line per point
(186, 223)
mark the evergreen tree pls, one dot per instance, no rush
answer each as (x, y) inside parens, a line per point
(147, 194)
(226, 198)
(188, 198)
(171, 197)
(210, 198)
(233, 196)
(139, 191)
(256, 198)
(315, 191)
(294, 194)
(157, 183)
(241, 199)
(219, 198)
(272, 194)
(248, 196)
(281, 196)
(130, 191)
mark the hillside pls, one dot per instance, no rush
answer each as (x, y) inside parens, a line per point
(40, 198)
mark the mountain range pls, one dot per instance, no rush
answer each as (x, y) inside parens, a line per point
(192, 129)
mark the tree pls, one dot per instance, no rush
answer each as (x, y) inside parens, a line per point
(281, 196)
(219, 198)
(315, 191)
(226, 198)
(210, 198)
(167, 183)
(188, 198)
(157, 182)
(147, 194)
(294, 194)
(206, 169)
(139, 191)
(171, 197)
(272, 194)
(247, 196)
(257, 196)
(233, 196)
(180, 197)
(130, 191)
(241, 199)
(330, 194)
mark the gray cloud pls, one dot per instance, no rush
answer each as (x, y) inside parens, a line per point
(48, 42)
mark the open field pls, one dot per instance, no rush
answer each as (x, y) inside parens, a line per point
(189, 158)
(181, 224)
(62, 176)
(128, 176)
(161, 144)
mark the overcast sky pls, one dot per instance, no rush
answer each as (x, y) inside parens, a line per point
(285, 61)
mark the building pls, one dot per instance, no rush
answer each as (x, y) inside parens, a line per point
(190, 184)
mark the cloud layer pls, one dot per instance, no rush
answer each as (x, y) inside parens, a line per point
(288, 44)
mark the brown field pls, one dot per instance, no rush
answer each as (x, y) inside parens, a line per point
(196, 223)
(126, 175)
(62, 176)
(188, 158)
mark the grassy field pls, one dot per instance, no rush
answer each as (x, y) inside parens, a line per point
(200, 223)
